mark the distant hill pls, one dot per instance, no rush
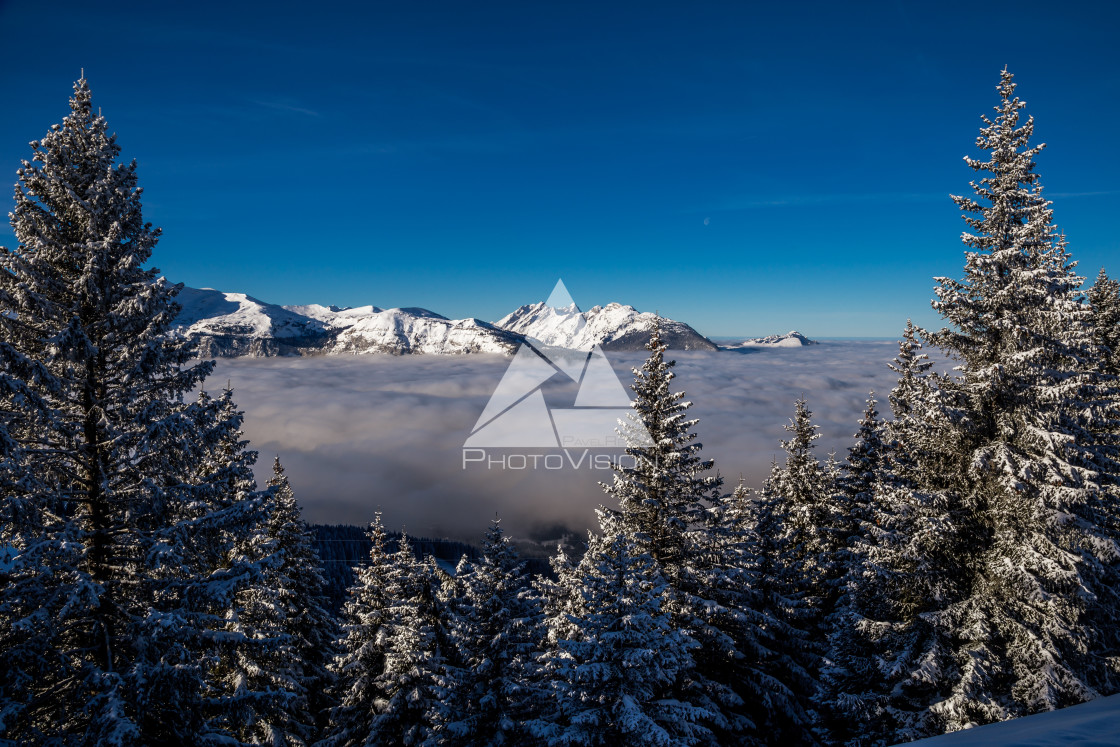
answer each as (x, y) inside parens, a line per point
(791, 339)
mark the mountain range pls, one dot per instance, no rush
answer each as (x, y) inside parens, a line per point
(235, 324)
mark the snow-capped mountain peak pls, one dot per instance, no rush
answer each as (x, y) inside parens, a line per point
(208, 310)
(614, 327)
(551, 326)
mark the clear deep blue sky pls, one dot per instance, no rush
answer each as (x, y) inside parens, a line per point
(744, 167)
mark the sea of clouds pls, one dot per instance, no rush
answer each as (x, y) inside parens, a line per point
(360, 434)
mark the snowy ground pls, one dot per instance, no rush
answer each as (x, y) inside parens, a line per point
(367, 432)
(1086, 725)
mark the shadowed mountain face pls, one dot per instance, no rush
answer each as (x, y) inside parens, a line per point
(229, 325)
(677, 335)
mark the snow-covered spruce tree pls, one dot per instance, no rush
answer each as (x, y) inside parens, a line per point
(668, 502)
(300, 587)
(410, 691)
(801, 501)
(562, 603)
(847, 670)
(1022, 414)
(884, 661)
(669, 489)
(1104, 305)
(615, 672)
(245, 699)
(276, 671)
(496, 633)
(129, 613)
(561, 597)
(866, 461)
(801, 528)
(361, 657)
(762, 655)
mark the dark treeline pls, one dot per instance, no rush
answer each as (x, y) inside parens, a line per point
(957, 566)
(343, 547)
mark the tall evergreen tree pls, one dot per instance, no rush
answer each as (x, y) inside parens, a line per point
(801, 529)
(847, 671)
(1027, 469)
(1104, 307)
(668, 490)
(762, 657)
(497, 632)
(276, 669)
(301, 590)
(673, 508)
(808, 515)
(410, 690)
(132, 588)
(885, 662)
(361, 658)
(614, 673)
(244, 699)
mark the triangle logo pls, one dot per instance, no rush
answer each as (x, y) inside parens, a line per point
(517, 414)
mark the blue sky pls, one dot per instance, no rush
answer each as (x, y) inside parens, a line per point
(743, 167)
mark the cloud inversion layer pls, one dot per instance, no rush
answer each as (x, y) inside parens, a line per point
(366, 433)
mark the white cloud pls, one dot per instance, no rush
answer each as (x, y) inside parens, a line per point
(359, 434)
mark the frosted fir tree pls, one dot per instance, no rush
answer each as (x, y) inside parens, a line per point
(910, 435)
(1021, 414)
(1104, 307)
(361, 657)
(844, 703)
(410, 691)
(562, 598)
(866, 460)
(668, 504)
(669, 488)
(887, 664)
(748, 644)
(615, 673)
(247, 693)
(300, 587)
(279, 671)
(496, 634)
(801, 502)
(800, 531)
(132, 598)
(562, 604)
